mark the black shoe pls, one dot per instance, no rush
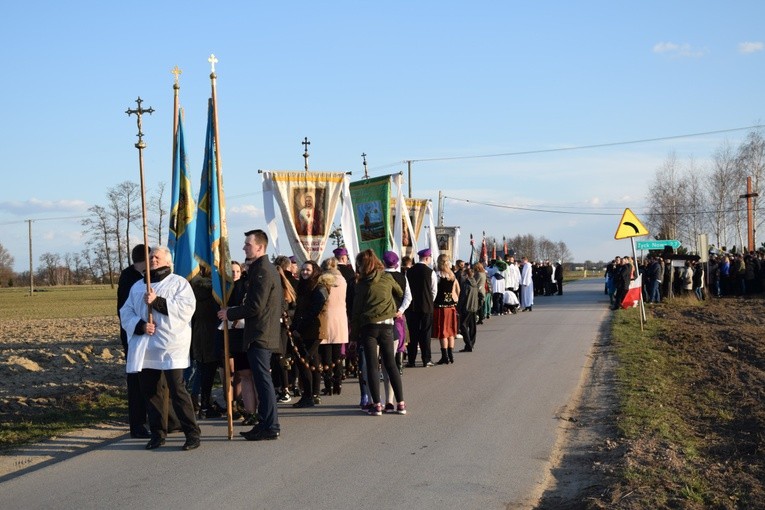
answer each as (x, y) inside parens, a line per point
(410, 365)
(465, 350)
(140, 433)
(210, 412)
(260, 435)
(155, 443)
(192, 443)
(304, 402)
(443, 361)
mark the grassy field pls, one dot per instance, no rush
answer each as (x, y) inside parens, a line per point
(63, 302)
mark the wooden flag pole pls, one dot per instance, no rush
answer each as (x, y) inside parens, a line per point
(141, 145)
(224, 253)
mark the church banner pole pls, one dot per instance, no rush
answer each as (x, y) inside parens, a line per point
(224, 251)
(141, 145)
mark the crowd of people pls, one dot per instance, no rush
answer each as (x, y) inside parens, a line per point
(297, 333)
(724, 274)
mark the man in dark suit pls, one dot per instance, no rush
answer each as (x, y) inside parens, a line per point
(262, 312)
(419, 316)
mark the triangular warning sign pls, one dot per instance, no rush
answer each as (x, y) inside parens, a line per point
(630, 226)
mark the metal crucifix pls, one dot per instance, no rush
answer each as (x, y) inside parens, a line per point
(139, 113)
(306, 143)
(140, 145)
(364, 157)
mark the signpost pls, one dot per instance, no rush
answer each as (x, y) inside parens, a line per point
(657, 245)
(631, 227)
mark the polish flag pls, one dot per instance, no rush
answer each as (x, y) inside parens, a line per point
(632, 299)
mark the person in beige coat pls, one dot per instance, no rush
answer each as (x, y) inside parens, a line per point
(333, 329)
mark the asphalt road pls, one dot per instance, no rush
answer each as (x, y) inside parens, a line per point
(479, 435)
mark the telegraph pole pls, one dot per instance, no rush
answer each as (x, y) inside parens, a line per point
(409, 178)
(31, 272)
(749, 213)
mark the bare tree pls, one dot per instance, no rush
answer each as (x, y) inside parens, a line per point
(101, 233)
(123, 208)
(6, 266)
(720, 192)
(665, 200)
(545, 249)
(694, 209)
(159, 212)
(562, 252)
(524, 245)
(49, 264)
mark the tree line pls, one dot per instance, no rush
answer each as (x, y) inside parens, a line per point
(686, 199)
(107, 231)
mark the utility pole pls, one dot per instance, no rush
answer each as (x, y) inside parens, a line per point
(749, 213)
(409, 166)
(31, 272)
(364, 157)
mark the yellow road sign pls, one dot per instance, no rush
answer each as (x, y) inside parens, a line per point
(630, 226)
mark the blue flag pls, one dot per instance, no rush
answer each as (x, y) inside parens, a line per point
(211, 246)
(183, 212)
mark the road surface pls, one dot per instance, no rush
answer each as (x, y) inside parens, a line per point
(479, 435)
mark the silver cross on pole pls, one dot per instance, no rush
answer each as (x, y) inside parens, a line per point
(139, 113)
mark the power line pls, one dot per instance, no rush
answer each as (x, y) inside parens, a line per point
(564, 149)
(44, 219)
(542, 209)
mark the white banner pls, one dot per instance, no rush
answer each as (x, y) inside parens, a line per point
(307, 202)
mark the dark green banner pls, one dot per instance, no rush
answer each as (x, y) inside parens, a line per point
(371, 206)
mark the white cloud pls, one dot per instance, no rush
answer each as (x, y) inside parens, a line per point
(36, 206)
(750, 47)
(245, 211)
(677, 50)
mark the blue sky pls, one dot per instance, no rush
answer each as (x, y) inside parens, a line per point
(396, 80)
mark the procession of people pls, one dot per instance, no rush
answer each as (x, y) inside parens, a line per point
(300, 332)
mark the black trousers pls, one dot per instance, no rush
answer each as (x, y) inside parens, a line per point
(420, 326)
(152, 388)
(468, 328)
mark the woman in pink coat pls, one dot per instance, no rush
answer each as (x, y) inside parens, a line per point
(333, 321)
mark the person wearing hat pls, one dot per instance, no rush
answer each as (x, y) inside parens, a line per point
(400, 333)
(419, 316)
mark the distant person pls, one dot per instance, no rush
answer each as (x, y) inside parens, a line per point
(558, 277)
(527, 285)
(161, 346)
(423, 283)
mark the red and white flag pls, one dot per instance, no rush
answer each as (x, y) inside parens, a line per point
(632, 299)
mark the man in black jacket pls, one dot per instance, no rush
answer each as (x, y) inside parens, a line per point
(262, 312)
(419, 315)
(136, 402)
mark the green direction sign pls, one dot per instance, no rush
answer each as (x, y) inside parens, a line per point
(656, 245)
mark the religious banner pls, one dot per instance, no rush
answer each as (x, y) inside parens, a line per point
(447, 239)
(417, 209)
(308, 202)
(371, 206)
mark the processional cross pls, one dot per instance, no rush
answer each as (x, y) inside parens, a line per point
(139, 113)
(305, 143)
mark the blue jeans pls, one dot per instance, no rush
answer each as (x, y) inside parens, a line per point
(655, 296)
(260, 364)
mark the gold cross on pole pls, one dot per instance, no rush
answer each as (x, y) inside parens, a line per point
(177, 73)
(212, 60)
